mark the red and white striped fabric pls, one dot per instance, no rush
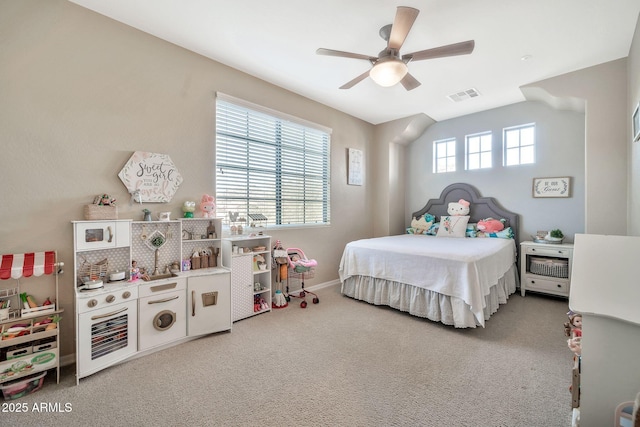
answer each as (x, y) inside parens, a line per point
(15, 266)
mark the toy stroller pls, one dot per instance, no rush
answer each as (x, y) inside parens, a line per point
(300, 266)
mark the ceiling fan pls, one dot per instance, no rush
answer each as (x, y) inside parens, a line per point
(389, 68)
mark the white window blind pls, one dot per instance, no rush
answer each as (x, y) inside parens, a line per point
(271, 164)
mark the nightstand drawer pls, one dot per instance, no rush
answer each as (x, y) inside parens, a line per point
(561, 253)
(548, 286)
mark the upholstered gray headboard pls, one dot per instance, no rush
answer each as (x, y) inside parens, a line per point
(481, 207)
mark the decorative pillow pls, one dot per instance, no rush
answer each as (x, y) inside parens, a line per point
(421, 224)
(507, 233)
(453, 226)
(472, 230)
(433, 230)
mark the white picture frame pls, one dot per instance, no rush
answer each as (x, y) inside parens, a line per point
(355, 166)
(635, 124)
(552, 187)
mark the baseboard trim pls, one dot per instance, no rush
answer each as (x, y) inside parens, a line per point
(314, 287)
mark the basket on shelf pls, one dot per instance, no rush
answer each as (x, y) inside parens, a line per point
(94, 212)
(550, 267)
(93, 271)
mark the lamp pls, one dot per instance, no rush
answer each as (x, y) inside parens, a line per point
(388, 71)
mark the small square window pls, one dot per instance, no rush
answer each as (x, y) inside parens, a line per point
(519, 145)
(479, 151)
(444, 156)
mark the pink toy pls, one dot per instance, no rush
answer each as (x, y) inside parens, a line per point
(208, 206)
(299, 262)
(490, 225)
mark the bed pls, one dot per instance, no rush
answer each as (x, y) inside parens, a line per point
(455, 281)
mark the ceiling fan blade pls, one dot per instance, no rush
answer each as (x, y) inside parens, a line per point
(355, 81)
(405, 17)
(462, 48)
(331, 52)
(409, 82)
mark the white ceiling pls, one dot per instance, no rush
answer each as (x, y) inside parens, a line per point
(276, 42)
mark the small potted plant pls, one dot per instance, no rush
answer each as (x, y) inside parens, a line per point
(555, 236)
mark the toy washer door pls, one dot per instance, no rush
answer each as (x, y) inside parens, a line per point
(164, 320)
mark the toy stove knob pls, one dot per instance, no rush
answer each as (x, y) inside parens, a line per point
(92, 303)
(110, 298)
(126, 294)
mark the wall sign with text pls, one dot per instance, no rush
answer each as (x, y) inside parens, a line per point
(552, 187)
(151, 177)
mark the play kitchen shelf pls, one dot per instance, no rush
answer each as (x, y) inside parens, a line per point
(167, 306)
(546, 268)
(249, 258)
(29, 331)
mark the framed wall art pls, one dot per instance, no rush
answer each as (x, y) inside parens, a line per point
(150, 177)
(354, 167)
(635, 124)
(552, 187)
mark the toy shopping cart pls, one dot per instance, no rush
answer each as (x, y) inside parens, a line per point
(300, 268)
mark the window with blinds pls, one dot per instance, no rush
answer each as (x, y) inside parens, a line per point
(271, 164)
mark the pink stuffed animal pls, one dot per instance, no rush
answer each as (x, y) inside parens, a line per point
(208, 206)
(490, 225)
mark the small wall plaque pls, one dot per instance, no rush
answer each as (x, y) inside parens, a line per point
(552, 187)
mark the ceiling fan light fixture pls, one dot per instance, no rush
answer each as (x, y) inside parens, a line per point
(388, 72)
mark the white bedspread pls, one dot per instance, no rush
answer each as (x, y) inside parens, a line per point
(460, 267)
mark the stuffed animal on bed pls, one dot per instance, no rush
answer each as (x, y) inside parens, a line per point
(459, 208)
(422, 224)
(491, 225)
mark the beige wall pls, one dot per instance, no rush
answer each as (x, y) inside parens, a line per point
(79, 93)
(633, 67)
(390, 141)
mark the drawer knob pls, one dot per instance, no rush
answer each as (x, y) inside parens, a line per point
(559, 285)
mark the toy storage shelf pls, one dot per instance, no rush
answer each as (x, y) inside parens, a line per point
(26, 345)
(250, 278)
(546, 268)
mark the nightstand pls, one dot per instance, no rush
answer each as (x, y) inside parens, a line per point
(546, 268)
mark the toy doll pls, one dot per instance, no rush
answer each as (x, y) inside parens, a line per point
(573, 329)
(135, 271)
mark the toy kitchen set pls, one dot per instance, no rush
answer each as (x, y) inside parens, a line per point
(134, 294)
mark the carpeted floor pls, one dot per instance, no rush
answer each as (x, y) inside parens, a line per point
(338, 363)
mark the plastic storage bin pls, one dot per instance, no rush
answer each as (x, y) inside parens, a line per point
(23, 386)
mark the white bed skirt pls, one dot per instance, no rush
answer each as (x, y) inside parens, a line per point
(425, 303)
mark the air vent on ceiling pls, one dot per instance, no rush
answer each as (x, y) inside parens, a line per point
(464, 95)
